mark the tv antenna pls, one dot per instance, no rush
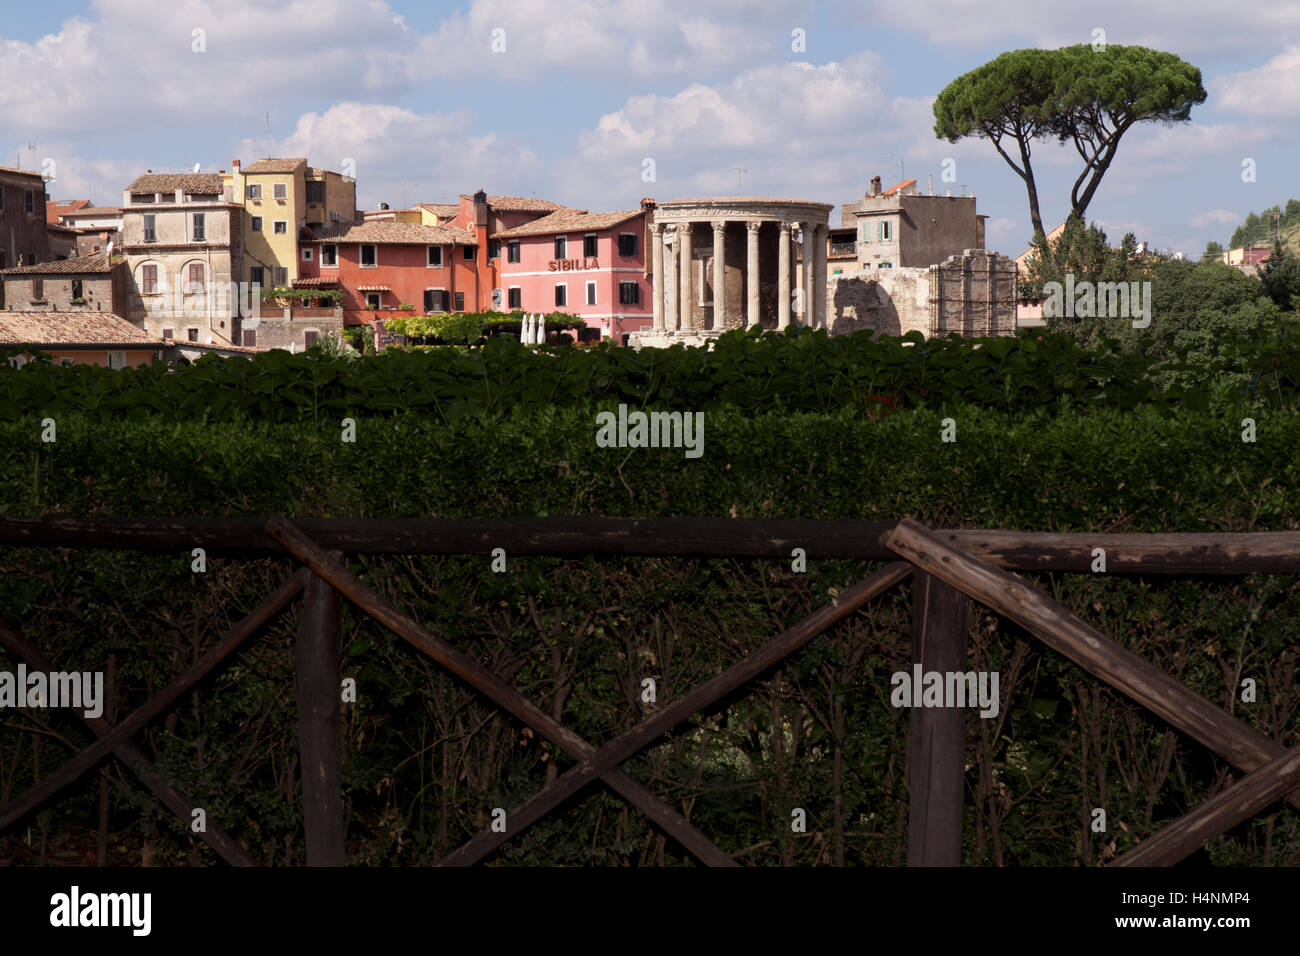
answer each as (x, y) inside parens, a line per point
(740, 178)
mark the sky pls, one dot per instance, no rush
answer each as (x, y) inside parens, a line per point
(598, 103)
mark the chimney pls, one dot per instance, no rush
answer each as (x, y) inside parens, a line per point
(648, 204)
(875, 185)
(234, 164)
(480, 209)
(383, 205)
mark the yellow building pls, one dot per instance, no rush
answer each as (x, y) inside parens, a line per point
(280, 197)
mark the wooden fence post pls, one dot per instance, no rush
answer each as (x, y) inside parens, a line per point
(937, 741)
(316, 665)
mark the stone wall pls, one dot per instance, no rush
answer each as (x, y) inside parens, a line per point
(887, 301)
(288, 328)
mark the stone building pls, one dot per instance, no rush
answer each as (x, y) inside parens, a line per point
(730, 262)
(85, 284)
(902, 228)
(24, 239)
(183, 246)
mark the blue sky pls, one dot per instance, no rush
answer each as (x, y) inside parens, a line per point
(586, 90)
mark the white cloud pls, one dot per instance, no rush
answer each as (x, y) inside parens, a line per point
(397, 151)
(1178, 26)
(1225, 216)
(1270, 90)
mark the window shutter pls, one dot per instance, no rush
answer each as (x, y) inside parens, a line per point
(309, 339)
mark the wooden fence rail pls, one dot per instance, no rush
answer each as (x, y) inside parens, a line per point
(949, 568)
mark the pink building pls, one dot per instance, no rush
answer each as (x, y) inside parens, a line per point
(590, 264)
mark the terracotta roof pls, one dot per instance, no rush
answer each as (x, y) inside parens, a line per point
(570, 220)
(519, 204)
(72, 328)
(735, 199)
(61, 207)
(102, 212)
(202, 184)
(443, 210)
(81, 265)
(275, 165)
(58, 227)
(315, 282)
(21, 172)
(901, 186)
(387, 231)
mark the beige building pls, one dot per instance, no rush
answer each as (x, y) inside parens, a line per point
(280, 197)
(78, 338)
(730, 262)
(85, 284)
(903, 228)
(181, 238)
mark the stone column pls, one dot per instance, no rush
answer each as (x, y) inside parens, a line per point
(669, 259)
(686, 304)
(821, 317)
(809, 257)
(657, 274)
(783, 277)
(719, 275)
(752, 275)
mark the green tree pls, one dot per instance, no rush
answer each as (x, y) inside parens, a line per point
(1088, 97)
(1212, 251)
(1280, 275)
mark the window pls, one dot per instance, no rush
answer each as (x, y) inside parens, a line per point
(561, 294)
(29, 202)
(150, 234)
(30, 258)
(38, 289)
(470, 253)
(280, 190)
(435, 257)
(255, 224)
(309, 338)
(369, 257)
(306, 255)
(434, 299)
(514, 298)
(627, 244)
(372, 300)
(137, 198)
(589, 245)
(494, 248)
(198, 227)
(280, 227)
(117, 360)
(253, 191)
(192, 334)
(561, 247)
(460, 301)
(629, 293)
(149, 278)
(512, 251)
(169, 334)
(315, 193)
(886, 230)
(250, 338)
(885, 265)
(279, 276)
(329, 256)
(866, 232)
(591, 293)
(77, 290)
(838, 272)
(257, 275)
(194, 279)
(4, 260)
(497, 298)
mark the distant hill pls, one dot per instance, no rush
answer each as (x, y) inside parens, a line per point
(1263, 227)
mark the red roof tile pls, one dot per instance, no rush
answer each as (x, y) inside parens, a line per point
(49, 329)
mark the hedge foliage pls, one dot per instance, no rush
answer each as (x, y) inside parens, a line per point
(426, 761)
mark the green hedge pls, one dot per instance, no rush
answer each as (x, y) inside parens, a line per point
(427, 761)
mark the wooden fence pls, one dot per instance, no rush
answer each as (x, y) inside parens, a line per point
(949, 570)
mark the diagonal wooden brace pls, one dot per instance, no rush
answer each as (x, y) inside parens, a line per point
(226, 846)
(625, 745)
(159, 702)
(491, 686)
(1241, 801)
(1237, 742)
